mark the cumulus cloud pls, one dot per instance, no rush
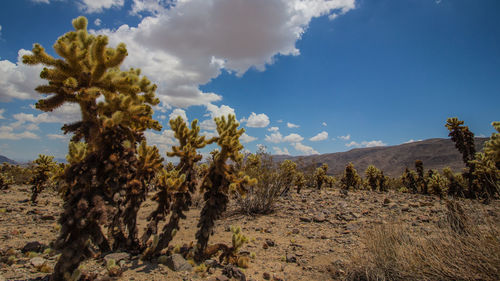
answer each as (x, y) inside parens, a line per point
(346, 137)
(97, 22)
(372, 143)
(256, 120)
(1, 113)
(68, 113)
(7, 133)
(274, 138)
(151, 6)
(307, 150)
(246, 138)
(18, 81)
(319, 137)
(178, 112)
(293, 138)
(164, 140)
(190, 43)
(97, 6)
(291, 125)
(58, 137)
(324, 124)
(273, 129)
(280, 151)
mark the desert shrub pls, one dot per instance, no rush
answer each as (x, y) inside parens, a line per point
(321, 178)
(438, 184)
(461, 250)
(42, 173)
(372, 177)
(287, 173)
(261, 197)
(350, 178)
(18, 174)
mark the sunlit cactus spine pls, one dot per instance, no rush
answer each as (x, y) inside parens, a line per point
(221, 178)
(350, 178)
(44, 166)
(189, 142)
(116, 109)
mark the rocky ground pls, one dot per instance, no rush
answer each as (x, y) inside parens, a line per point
(310, 236)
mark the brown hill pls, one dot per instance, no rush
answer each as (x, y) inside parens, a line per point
(435, 153)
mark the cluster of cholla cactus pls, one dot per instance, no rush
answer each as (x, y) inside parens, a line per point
(321, 178)
(350, 178)
(5, 181)
(483, 169)
(221, 179)
(287, 173)
(375, 178)
(42, 173)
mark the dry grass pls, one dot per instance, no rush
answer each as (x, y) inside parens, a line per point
(460, 250)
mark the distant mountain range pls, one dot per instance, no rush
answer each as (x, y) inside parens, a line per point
(4, 159)
(435, 154)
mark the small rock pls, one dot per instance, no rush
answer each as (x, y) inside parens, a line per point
(233, 272)
(270, 242)
(319, 218)
(386, 201)
(48, 218)
(295, 231)
(290, 258)
(266, 276)
(117, 257)
(211, 263)
(405, 209)
(37, 262)
(33, 247)
(177, 263)
(305, 219)
(221, 278)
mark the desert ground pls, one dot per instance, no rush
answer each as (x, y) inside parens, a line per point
(309, 236)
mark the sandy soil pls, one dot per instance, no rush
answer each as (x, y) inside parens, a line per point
(310, 236)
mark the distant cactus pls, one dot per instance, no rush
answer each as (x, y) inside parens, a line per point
(409, 180)
(300, 181)
(350, 178)
(5, 181)
(372, 177)
(421, 182)
(288, 171)
(44, 165)
(492, 146)
(455, 187)
(382, 181)
(437, 184)
(221, 178)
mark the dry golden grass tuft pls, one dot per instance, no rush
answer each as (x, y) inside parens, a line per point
(458, 250)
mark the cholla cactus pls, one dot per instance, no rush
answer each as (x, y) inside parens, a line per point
(464, 142)
(44, 165)
(492, 146)
(5, 181)
(287, 173)
(420, 180)
(437, 184)
(486, 176)
(350, 178)
(221, 178)
(372, 176)
(189, 142)
(321, 178)
(409, 180)
(111, 129)
(455, 186)
(300, 181)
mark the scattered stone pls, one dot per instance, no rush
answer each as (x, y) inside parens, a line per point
(266, 276)
(295, 231)
(305, 219)
(211, 263)
(117, 257)
(37, 262)
(386, 201)
(221, 278)
(319, 218)
(291, 258)
(48, 218)
(233, 272)
(177, 263)
(33, 247)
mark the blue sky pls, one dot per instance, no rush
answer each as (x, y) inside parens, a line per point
(303, 77)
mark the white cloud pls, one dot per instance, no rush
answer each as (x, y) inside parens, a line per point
(246, 138)
(372, 143)
(257, 120)
(261, 147)
(319, 137)
(218, 111)
(280, 121)
(291, 125)
(97, 6)
(280, 151)
(18, 81)
(65, 114)
(164, 140)
(152, 6)
(346, 137)
(307, 150)
(293, 138)
(1, 113)
(7, 133)
(97, 22)
(208, 125)
(411, 140)
(324, 124)
(273, 129)
(58, 137)
(274, 138)
(178, 112)
(190, 43)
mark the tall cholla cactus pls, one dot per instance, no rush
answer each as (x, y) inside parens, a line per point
(320, 175)
(189, 142)
(350, 178)
(409, 180)
(111, 130)
(5, 181)
(492, 146)
(44, 166)
(464, 142)
(420, 180)
(287, 172)
(300, 181)
(372, 176)
(437, 184)
(221, 178)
